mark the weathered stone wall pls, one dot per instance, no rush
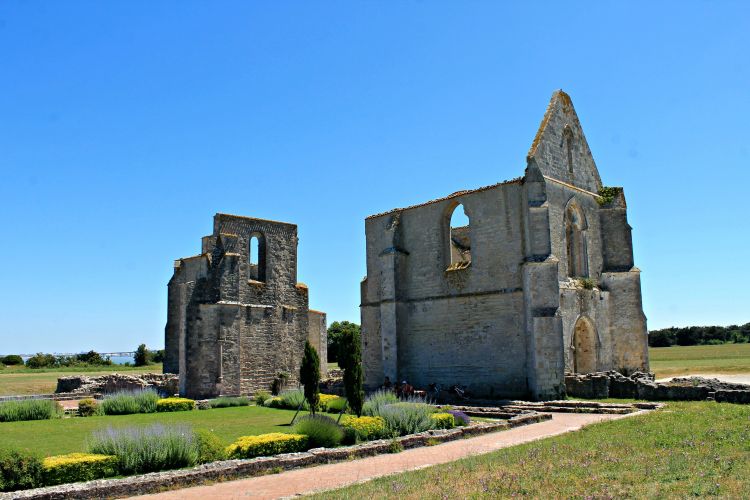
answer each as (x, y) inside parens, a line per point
(318, 337)
(234, 325)
(166, 384)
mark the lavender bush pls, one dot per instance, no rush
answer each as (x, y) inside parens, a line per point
(459, 417)
(148, 449)
(127, 402)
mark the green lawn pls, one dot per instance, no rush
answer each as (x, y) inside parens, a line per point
(686, 449)
(681, 360)
(53, 437)
(22, 380)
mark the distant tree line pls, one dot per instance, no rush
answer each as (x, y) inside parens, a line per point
(699, 335)
(142, 357)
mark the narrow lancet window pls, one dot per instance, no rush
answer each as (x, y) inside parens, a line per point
(257, 258)
(575, 241)
(460, 239)
(568, 140)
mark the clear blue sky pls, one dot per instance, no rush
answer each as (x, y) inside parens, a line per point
(124, 126)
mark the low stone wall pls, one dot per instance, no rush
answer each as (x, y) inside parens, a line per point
(235, 469)
(64, 396)
(642, 386)
(165, 383)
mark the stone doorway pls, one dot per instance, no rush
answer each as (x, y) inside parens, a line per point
(584, 346)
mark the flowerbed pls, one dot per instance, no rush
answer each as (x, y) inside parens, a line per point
(175, 404)
(266, 445)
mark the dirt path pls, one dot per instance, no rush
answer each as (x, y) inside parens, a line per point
(331, 476)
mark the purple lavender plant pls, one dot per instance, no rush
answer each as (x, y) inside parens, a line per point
(459, 417)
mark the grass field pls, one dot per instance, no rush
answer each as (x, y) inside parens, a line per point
(22, 380)
(679, 360)
(686, 449)
(52, 437)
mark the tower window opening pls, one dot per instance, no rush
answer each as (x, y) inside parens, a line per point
(459, 241)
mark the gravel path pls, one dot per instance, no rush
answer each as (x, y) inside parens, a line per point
(331, 476)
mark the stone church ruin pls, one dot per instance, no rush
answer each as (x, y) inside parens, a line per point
(237, 317)
(540, 282)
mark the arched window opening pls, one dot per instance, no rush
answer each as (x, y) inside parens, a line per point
(460, 239)
(584, 347)
(575, 240)
(257, 258)
(568, 140)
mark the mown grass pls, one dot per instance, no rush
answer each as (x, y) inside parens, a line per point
(55, 437)
(686, 449)
(682, 360)
(22, 380)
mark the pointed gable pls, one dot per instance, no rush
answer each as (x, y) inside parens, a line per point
(560, 149)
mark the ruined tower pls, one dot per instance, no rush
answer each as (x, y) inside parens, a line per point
(237, 317)
(541, 281)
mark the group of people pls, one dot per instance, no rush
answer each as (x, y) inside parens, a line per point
(403, 389)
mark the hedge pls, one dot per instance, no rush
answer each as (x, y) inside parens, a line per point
(76, 467)
(363, 428)
(266, 445)
(175, 404)
(443, 420)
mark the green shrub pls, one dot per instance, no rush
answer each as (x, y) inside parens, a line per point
(128, 402)
(335, 405)
(442, 420)
(292, 399)
(376, 401)
(407, 418)
(147, 449)
(210, 447)
(320, 430)
(76, 467)
(41, 360)
(273, 402)
(175, 404)
(226, 402)
(261, 397)
(11, 360)
(363, 428)
(89, 407)
(30, 409)
(266, 445)
(19, 470)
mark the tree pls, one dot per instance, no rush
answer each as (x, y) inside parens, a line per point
(309, 375)
(12, 359)
(335, 333)
(350, 359)
(141, 357)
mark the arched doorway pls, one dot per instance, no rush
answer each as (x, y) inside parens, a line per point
(584, 346)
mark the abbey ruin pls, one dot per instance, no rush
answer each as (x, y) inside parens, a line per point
(541, 281)
(237, 317)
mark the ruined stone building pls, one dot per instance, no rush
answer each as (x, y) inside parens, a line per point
(237, 317)
(541, 281)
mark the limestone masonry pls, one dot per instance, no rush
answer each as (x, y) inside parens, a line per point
(237, 317)
(541, 281)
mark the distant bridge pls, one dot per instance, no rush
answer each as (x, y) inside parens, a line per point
(123, 354)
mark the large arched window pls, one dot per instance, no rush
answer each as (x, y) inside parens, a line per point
(257, 257)
(575, 242)
(459, 241)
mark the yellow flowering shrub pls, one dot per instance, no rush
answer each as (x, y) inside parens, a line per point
(443, 420)
(265, 445)
(175, 404)
(75, 467)
(325, 399)
(363, 428)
